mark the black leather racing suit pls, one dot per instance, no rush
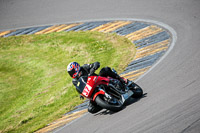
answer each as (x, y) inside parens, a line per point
(88, 70)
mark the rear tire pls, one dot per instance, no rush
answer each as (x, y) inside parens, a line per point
(138, 92)
(104, 104)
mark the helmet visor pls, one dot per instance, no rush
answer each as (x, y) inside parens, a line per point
(71, 73)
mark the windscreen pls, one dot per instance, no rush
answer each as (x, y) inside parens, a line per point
(82, 81)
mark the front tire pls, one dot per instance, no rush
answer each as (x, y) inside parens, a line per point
(104, 104)
(93, 107)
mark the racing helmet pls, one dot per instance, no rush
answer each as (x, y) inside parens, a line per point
(73, 69)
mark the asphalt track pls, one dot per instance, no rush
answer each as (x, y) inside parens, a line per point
(172, 86)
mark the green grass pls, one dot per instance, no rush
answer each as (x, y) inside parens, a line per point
(35, 88)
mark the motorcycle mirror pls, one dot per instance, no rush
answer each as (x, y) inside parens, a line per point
(114, 70)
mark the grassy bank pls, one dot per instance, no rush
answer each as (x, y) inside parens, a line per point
(35, 87)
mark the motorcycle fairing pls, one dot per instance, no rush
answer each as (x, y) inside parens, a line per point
(81, 84)
(86, 85)
(93, 82)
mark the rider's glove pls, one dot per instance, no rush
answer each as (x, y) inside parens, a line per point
(91, 72)
(96, 65)
(81, 97)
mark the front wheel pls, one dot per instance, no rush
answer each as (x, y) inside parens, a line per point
(138, 92)
(117, 106)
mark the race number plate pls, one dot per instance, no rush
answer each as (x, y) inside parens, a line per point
(87, 90)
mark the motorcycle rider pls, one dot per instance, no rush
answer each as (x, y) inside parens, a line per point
(76, 71)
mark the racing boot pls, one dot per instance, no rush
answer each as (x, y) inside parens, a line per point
(123, 81)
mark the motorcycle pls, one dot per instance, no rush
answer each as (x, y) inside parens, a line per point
(107, 92)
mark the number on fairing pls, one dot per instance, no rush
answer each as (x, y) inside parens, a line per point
(86, 90)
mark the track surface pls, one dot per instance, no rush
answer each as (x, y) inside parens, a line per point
(172, 87)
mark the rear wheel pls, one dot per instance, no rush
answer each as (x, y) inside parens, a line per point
(138, 92)
(115, 105)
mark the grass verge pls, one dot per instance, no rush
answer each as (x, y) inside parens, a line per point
(35, 88)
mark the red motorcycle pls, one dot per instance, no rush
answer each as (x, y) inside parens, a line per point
(107, 92)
